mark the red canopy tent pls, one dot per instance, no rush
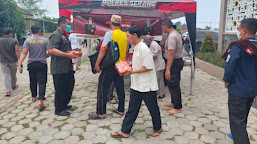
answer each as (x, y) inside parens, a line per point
(161, 9)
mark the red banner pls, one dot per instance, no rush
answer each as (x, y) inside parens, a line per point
(98, 24)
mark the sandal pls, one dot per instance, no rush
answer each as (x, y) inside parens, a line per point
(161, 97)
(94, 116)
(117, 135)
(156, 133)
(16, 86)
(41, 107)
(7, 94)
(34, 99)
(117, 112)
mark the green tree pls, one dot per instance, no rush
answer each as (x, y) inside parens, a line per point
(179, 30)
(178, 23)
(11, 18)
(33, 6)
(208, 44)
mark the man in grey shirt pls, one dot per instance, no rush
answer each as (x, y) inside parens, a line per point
(37, 65)
(175, 63)
(9, 54)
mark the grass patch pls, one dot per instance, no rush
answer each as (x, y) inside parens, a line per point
(41, 120)
(148, 135)
(212, 57)
(25, 125)
(36, 142)
(81, 137)
(106, 127)
(251, 138)
(34, 128)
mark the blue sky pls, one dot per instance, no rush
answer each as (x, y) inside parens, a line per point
(208, 12)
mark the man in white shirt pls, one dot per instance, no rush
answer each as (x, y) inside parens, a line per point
(76, 45)
(143, 86)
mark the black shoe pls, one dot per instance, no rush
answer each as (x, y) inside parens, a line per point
(62, 113)
(68, 107)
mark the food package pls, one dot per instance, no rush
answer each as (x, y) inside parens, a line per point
(122, 67)
(76, 53)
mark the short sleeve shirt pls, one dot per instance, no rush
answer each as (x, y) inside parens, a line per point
(120, 37)
(75, 42)
(174, 42)
(37, 49)
(147, 81)
(60, 41)
(7, 50)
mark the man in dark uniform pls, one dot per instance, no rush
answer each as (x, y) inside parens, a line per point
(148, 29)
(61, 67)
(90, 27)
(240, 78)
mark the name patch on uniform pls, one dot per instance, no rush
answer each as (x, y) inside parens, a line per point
(36, 41)
(228, 58)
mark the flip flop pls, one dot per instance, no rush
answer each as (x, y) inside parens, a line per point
(161, 97)
(33, 100)
(40, 108)
(156, 132)
(15, 87)
(94, 116)
(7, 94)
(117, 135)
(117, 112)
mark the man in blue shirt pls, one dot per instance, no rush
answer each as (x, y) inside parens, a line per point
(241, 78)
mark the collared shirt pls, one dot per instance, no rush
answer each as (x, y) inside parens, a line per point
(7, 50)
(75, 42)
(120, 37)
(147, 81)
(60, 41)
(159, 62)
(241, 72)
(174, 42)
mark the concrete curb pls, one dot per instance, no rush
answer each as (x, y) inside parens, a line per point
(210, 68)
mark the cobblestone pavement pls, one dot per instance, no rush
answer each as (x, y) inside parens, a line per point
(204, 118)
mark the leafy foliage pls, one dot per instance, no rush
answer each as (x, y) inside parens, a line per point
(208, 44)
(33, 6)
(212, 57)
(11, 18)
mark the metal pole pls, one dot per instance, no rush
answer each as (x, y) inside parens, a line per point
(192, 78)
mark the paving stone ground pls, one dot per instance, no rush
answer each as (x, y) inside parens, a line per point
(204, 117)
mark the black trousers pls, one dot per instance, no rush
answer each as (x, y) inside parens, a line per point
(108, 76)
(174, 82)
(150, 99)
(238, 113)
(37, 76)
(63, 84)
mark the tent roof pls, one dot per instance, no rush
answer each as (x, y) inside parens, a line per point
(183, 6)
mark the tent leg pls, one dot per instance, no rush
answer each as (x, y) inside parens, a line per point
(192, 78)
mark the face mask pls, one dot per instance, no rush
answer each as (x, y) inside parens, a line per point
(68, 28)
(239, 36)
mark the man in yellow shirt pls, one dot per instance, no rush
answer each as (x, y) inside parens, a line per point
(110, 74)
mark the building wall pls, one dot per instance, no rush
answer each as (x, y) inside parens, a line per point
(232, 12)
(238, 10)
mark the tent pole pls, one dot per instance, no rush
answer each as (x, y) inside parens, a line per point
(192, 77)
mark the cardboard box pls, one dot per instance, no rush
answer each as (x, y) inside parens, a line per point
(123, 67)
